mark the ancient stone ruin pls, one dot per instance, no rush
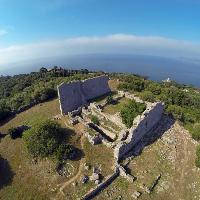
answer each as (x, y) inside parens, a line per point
(75, 101)
(142, 126)
(77, 94)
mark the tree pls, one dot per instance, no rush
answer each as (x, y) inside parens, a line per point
(63, 152)
(43, 70)
(148, 96)
(44, 139)
(130, 111)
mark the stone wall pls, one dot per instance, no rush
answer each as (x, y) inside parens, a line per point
(142, 126)
(76, 94)
(94, 192)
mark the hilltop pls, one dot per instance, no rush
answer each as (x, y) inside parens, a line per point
(169, 154)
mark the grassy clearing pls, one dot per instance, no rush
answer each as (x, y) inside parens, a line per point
(33, 115)
(39, 180)
(114, 108)
(94, 156)
(29, 180)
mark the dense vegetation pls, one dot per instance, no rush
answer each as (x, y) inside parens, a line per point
(130, 111)
(182, 102)
(20, 92)
(47, 139)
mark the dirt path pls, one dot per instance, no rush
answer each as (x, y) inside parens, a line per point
(79, 170)
(74, 178)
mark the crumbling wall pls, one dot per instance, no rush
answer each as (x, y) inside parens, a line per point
(94, 192)
(142, 126)
(76, 94)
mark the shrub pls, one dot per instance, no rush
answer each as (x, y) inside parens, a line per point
(196, 132)
(110, 100)
(130, 111)
(197, 161)
(148, 96)
(63, 152)
(44, 139)
(95, 120)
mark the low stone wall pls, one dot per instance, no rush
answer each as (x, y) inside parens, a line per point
(124, 174)
(142, 126)
(94, 192)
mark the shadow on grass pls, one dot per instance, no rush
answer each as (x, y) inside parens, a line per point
(7, 119)
(6, 173)
(77, 153)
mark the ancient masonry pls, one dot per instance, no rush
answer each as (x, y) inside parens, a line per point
(142, 126)
(77, 94)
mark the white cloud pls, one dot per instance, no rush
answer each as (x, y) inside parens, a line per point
(110, 44)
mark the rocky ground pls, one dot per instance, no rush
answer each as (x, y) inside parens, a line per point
(164, 170)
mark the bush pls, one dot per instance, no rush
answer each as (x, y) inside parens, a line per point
(176, 111)
(196, 132)
(95, 120)
(110, 100)
(197, 161)
(63, 152)
(148, 96)
(44, 139)
(15, 133)
(130, 111)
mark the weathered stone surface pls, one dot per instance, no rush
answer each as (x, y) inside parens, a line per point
(136, 195)
(142, 125)
(76, 94)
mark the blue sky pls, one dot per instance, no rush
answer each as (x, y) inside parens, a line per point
(32, 28)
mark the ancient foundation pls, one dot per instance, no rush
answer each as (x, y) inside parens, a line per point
(142, 126)
(77, 94)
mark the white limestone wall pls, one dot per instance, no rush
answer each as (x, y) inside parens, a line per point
(76, 94)
(70, 96)
(95, 87)
(141, 127)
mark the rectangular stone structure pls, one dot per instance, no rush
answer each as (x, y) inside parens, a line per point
(142, 126)
(77, 94)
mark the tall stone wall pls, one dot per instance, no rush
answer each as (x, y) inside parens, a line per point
(76, 94)
(142, 126)
(95, 87)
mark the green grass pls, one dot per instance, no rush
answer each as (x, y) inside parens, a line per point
(31, 181)
(33, 115)
(97, 155)
(113, 109)
(36, 181)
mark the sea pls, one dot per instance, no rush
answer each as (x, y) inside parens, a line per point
(156, 68)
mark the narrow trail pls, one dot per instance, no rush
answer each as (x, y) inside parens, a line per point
(79, 170)
(74, 178)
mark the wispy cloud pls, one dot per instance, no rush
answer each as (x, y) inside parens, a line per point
(110, 44)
